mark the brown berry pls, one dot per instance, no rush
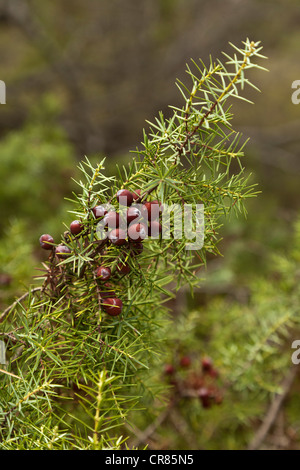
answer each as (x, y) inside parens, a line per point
(76, 227)
(207, 364)
(185, 361)
(103, 273)
(99, 212)
(5, 279)
(155, 229)
(113, 306)
(124, 197)
(111, 219)
(62, 251)
(150, 210)
(46, 241)
(169, 369)
(204, 396)
(117, 236)
(136, 194)
(133, 213)
(137, 232)
(123, 268)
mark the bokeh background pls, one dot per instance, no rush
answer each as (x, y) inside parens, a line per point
(82, 78)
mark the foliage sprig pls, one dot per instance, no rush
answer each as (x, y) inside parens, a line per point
(73, 369)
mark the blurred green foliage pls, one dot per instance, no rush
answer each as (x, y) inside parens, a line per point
(37, 162)
(36, 166)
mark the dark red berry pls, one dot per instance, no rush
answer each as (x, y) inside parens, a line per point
(155, 229)
(111, 219)
(169, 369)
(204, 396)
(46, 241)
(151, 210)
(136, 248)
(5, 279)
(124, 197)
(136, 194)
(113, 306)
(185, 361)
(207, 364)
(99, 212)
(62, 251)
(137, 232)
(123, 268)
(76, 227)
(117, 236)
(132, 214)
(103, 273)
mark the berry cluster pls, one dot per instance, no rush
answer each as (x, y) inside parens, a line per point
(125, 229)
(201, 384)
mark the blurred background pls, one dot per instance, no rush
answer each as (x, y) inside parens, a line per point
(83, 76)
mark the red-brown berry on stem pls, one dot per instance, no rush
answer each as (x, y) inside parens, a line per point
(124, 197)
(62, 251)
(5, 279)
(136, 194)
(46, 241)
(103, 273)
(137, 232)
(204, 396)
(151, 210)
(155, 229)
(76, 227)
(207, 364)
(99, 212)
(123, 268)
(111, 219)
(169, 369)
(113, 306)
(133, 213)
(185, 361)
(117, 236)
